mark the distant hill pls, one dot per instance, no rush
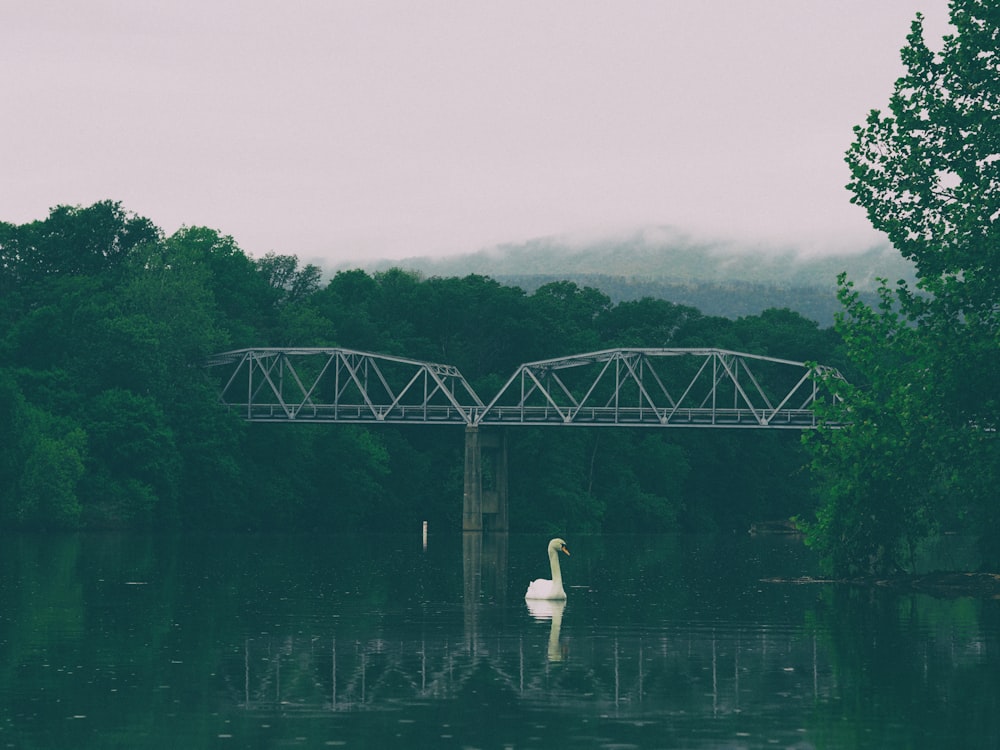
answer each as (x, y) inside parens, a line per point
(717, 278)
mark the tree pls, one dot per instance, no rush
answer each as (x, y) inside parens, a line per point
(928, 173)
(135, 461)
(474, 323)
(566, 315)
(881, 477)
(639, 477)
(348, 302)
(244, 299)
(551, 488)
(290, 283)
(73, 240)
(43, 461)
(644, 322)
(922, 448)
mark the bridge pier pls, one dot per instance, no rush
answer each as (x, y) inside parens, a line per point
(484, 504)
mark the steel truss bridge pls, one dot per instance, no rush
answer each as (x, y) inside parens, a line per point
(625, 387)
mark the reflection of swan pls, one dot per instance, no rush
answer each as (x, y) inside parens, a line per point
(542, 588)
(546, 609)
(549, 609)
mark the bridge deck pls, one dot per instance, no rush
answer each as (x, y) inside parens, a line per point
(537, 415)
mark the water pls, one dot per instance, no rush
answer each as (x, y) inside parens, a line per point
(110, 641)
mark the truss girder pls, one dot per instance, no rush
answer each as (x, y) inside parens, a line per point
(614, 387)
(343, 385)
(634, 387)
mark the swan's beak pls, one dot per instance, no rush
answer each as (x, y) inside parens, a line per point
(563, 548)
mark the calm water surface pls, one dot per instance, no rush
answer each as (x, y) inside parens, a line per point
(359, 641)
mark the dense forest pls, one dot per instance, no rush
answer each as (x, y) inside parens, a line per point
(110, 421)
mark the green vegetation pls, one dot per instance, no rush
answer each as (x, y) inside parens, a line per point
(921, 455)
(110, 423)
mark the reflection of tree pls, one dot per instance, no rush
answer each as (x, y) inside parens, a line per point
(930, 662)
(46, 597)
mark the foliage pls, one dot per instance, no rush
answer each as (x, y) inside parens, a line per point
(42, 464)
(113, 424)
(876, 474)
(921, 452)
(928, 172)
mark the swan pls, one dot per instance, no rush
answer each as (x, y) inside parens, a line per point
(542, 588)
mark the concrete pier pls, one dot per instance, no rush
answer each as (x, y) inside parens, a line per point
(484, 505)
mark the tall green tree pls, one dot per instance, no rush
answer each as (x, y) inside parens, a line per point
(244, 298)
(42, 463)
(349, 302)
(566, 315)
(644, 322)
(883, 482)
(922, 450)
(928, 171)
(297, 321)
(73, 240)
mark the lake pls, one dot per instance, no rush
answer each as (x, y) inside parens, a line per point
(361, 641)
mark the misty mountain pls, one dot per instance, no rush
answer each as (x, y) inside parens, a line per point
(718, 278)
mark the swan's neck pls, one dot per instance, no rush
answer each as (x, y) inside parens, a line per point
(554, 563)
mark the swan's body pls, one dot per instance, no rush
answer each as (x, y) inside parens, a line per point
(543, 588)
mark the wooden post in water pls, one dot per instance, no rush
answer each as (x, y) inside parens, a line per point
(485, 507)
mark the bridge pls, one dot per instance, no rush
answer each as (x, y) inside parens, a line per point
(622, 387)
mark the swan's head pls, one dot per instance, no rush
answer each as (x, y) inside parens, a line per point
(558, 544)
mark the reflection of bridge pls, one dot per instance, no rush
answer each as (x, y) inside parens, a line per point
(709, 674)
(546, 655)
(626, 387)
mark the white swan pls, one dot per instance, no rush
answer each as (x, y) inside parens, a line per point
(542, 588)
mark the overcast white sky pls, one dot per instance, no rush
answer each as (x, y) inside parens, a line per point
(392, 128)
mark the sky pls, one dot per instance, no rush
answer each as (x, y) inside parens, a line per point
(343, 131)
